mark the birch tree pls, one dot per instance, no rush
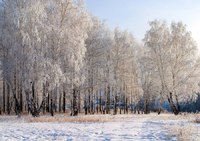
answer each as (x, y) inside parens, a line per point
(172, 52)
(46, 47)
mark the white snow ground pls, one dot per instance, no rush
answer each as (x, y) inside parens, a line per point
(126, 127)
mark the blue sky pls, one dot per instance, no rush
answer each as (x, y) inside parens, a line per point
(134, 15)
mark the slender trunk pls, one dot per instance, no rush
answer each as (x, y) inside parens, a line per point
(59, 103)
(21, 98)
(177, 103)
(47, 104)
(4, 96)
(74, 111)
(8, 99)
(44, 103)
(97, 102)
(108, 100)
(33, 90)
(85, 103)
(85, 107)
(17, 105)
(100, 102)
(126, 105)
(64, 101)
(89, 102)
(52, 108)
(146, 106)
(79, 101)
(115, 104)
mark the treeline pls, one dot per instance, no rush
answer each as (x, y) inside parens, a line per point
(57, 57)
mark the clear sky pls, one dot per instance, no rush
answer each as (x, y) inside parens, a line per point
(134, 15)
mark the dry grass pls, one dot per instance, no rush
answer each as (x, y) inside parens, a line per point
(80, 119)
(189, 130)
(188, 133)
(197, 119)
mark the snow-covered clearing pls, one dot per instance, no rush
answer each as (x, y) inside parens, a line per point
(121, 127)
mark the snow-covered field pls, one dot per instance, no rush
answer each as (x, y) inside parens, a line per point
(166, 127)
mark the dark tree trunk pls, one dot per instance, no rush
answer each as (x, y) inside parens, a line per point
(126, 105)
(21, 98)
(172, 105)
(97, 101)
(108, 100)
(64, 97)
(32, 108)
(89, 102)
(60, 104)
(4, 96)
(115, 105)
(8, 99)
(33, 90)
(79, 101)
(177, 103)
(85, 107)
(146, 106)
(47, 104)
(100, 102)
(52, 108)
(74, 109)
(85, 103)
(44, 103)
(17, 106)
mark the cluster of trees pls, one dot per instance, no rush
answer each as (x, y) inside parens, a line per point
(55, 54)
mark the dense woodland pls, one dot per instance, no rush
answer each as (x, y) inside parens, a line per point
(56, 57)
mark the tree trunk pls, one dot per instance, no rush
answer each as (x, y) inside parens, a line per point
(44, 103)
(4, 96)
(17, 105)
(89, 102)
(85, 103)
(97, 101)
(79, 101)
(59, 103)
(107, 99)
(146, 106)
(115, 104)
(64, 97)
(126, 105)
(177, 103)
(47, 104)
(100, 102)
(21, 98)
(52, 108)
(172, 105)
(74, 109)
(8, 99)
(32, 108)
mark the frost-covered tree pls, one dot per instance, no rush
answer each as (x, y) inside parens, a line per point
(123, 71)
(172, 54)
(43, 43)
(98, 44)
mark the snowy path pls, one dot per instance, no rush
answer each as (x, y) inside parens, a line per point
(131, 128)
